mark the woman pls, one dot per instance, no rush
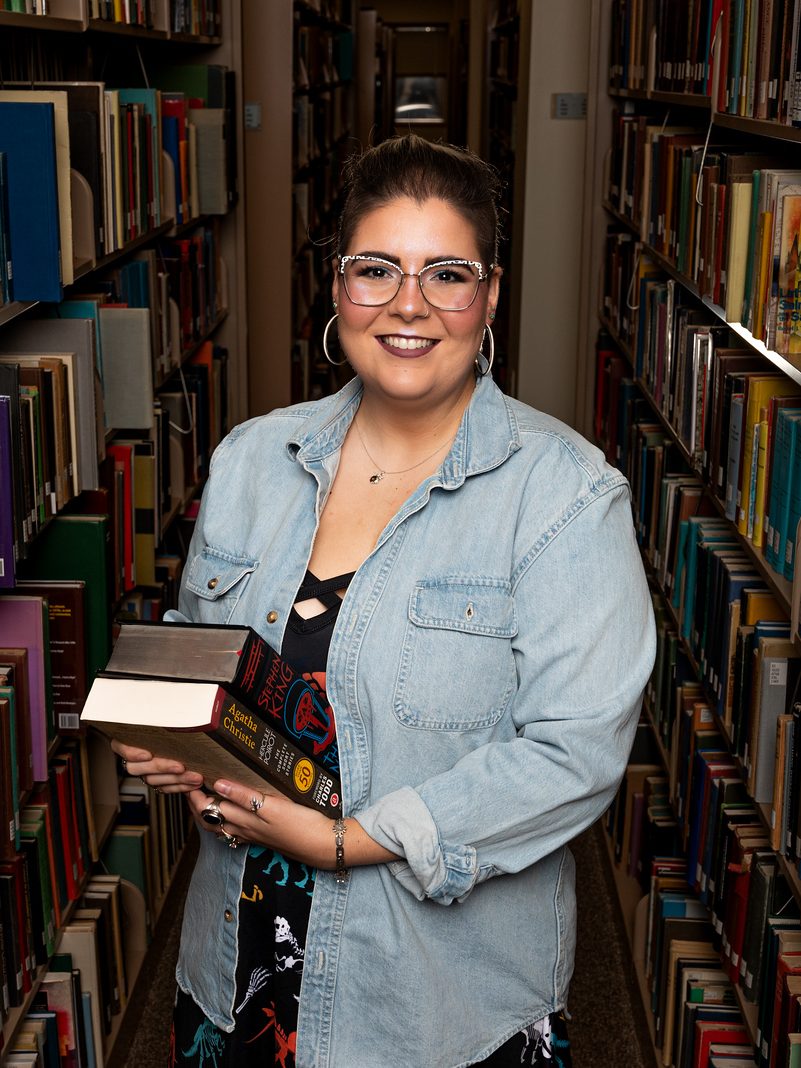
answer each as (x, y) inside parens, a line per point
(493, 636)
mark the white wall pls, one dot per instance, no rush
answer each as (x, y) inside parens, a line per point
(551, 268)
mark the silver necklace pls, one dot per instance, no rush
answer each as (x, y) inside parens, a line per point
(380, 471)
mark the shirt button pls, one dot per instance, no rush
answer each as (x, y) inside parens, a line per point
(212, 583)
(228, 915)
(271, 617)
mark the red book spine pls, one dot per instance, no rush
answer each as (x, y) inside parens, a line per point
(24, 926)
(58, 780)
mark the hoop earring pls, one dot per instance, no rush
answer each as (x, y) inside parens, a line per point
(488, 368)
(334, 363)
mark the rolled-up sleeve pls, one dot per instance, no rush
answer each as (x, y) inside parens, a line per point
(583, 653)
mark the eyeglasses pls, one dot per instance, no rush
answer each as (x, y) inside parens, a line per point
(450, 285)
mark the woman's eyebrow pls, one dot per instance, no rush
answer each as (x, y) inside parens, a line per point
(391, 258)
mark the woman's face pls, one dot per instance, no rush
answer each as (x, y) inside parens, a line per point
(407, 350)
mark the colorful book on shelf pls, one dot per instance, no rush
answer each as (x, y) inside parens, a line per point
(759, 390)
(57, 100)
(56, 994)
(776, 667)
(28, 140)
(127, 367)
(224, 702)
(24, 624)
(784, 333)
(76, 547)
(72, 342)
(66, 615)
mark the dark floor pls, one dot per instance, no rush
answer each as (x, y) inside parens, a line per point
(607, 1028)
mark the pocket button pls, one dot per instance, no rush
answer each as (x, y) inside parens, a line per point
(212, 583)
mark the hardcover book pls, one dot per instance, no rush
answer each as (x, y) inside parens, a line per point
(224, 703)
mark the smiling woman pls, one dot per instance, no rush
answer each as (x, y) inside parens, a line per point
(458, 575)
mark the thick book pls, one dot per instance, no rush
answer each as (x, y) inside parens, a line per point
(205, 694)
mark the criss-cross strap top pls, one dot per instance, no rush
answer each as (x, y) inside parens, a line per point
(306, 641)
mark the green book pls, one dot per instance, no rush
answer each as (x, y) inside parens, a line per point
(126, 854)
(36, 829)
(8, 706)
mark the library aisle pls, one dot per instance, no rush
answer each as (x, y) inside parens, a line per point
(608, 1025)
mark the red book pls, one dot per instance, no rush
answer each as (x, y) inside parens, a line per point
(720, 230)
(709, 1031)
(787, 964)
(123, 462)
(58, 789)
(14, 868)
(65, 766)
(130, 171)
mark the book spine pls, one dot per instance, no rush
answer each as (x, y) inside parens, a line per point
(270, 754)
(278, 695)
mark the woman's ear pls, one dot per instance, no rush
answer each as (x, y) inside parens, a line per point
(335, 284)
(493, 292)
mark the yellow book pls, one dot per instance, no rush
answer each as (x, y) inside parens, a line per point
(758, 604)
(760, 389)
(756, 520)
(738, 249)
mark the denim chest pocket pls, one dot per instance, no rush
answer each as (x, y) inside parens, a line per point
(457, 669)
(218, 579)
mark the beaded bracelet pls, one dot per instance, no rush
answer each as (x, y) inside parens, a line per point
(340, 872)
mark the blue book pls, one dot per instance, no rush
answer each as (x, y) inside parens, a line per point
(736, 54)
(6, 495)
(52, 1058)
(790, 461)
(171, 138)
(27, 138)
(89, 1047)
(700, 528)
(778, 472)
(6, 280)
(793, 496)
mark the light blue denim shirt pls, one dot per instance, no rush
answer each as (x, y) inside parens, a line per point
(485, 673)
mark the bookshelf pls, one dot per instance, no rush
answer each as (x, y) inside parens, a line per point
(300, 125)
(508, 48)
(664, 228)
(156, 277)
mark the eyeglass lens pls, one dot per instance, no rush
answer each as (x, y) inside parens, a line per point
(449, 287)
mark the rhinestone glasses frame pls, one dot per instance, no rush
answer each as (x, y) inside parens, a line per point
(482, 277)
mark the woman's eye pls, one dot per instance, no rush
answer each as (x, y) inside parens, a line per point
(374, 273)
(449, 275)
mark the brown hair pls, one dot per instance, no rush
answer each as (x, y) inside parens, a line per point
(410, 166)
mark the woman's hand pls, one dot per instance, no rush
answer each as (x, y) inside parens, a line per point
(161, 773)
(298, 832)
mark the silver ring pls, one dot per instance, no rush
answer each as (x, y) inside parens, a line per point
(143, 780)
(212, 815)
(231, 839)
(124, 763)
(256, 803)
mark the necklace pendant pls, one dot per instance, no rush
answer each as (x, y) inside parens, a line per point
(376, 478)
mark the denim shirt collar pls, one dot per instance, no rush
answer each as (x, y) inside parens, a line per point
(488, 433)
